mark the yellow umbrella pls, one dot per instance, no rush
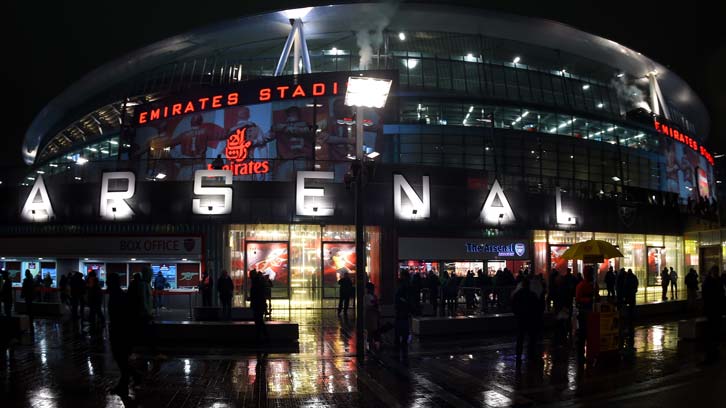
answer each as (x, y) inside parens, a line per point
(592, 251)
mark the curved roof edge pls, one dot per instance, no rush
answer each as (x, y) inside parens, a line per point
(325, 19)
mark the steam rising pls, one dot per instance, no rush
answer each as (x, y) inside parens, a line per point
(630, 93)
(369, 36)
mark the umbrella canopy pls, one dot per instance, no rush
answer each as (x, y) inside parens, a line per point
(593, 251)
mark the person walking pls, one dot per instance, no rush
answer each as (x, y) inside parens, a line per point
(120, 333)
(610, 279)
(78, 293)
(584, 294)
(403, 313)
(692, 289)
(346, 291)
(160, 284)
(225, 287)
(713, 304)
(28, 293)
(46, 288)
(258, 304)
(525, 305)
(630, 289)
(674, 284)
(6, 294)
(665, 278)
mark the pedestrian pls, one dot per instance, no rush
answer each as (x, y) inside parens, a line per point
(403, 313)
(433, 285)
(28, 293)
(551, 288)
(692, 288)
(713, 303)
(416, 294)
(486, 291)
(78, 293)
(120, 333)
(665, 278)
(525, 305)
(630, 289)
(372, 317)
(46, 288)
(95, 300)
(268, 294)
(205, 289)
(443, 284)
(561, 309)
(6, 294)
(674, 284)
(258, 304)
(584, 294)
(63, 288)
(620, 285)
(570, 288)
(345, 292)
(225, 287)
(468, 286)
(160, 284)
(610, 279)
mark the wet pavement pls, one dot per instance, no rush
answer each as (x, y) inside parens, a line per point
(62, 367)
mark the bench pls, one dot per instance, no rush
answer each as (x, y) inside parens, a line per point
(40, 308)
(213, 333)
(214, 313)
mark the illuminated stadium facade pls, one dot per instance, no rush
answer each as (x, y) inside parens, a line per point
(504, 140)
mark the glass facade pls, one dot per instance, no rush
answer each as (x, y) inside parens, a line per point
(645, 254)
(304, 262)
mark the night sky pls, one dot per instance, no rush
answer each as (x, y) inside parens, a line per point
(50, 45)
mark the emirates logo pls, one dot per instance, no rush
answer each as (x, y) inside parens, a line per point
(237, 145)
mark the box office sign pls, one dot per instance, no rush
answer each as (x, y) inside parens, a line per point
(462, 249)
(129, 246)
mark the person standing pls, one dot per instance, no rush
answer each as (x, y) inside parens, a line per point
(674, 284)
(433, 285)
(119, 333)
(47, 285)
(525, 305)
(403, 313)
(95, 300)
(584, 294)
(713, 303)
(268, 294)
(225, 287)
(28, 293)
(63, 288)
(610, 279)
(258, 304)
(6, 294)
(665, 278)
(78, 291)
(160, 284)
(692, 288)
(346, 290)
(205, 289)
(630, 289)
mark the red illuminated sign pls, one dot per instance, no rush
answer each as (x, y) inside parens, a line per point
(224, 100)
(678, 136)
(237, 151)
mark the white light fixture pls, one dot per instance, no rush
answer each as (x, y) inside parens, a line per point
(160, 176)
(402, 36)
(40, 258)
(622, 74)
(104, 151)
(410, 63)
(133, 259)
(113, 142)
(516, 60)
(85, 259)
(296, 13)
(53, 165)
(563, 71)
(81, 161)
(600, 105)
(40, 171)
(184, 259)
(585, 87)
(368, 92)
(78, 178)
(93, 149)
(615, 178)
(373, 155)
(524, 115)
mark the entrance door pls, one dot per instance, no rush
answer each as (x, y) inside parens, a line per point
(710, 257)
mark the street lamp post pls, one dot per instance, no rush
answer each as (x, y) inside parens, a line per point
(362, 92)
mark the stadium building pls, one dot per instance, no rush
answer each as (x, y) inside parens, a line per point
(504, 139)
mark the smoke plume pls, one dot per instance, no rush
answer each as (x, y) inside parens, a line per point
(630, 93)
(369, 35)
